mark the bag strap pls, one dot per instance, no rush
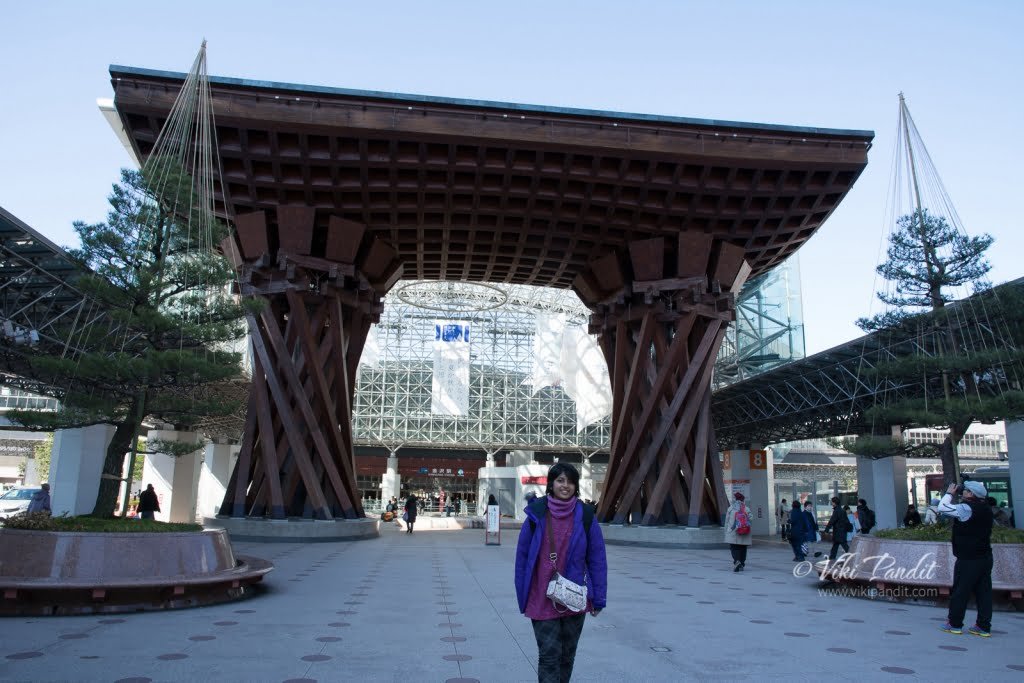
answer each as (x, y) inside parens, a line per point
(553, 556)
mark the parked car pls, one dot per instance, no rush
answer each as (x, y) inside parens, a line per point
(16, 501)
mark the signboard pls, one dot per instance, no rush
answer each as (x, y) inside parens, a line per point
(758, 460)
(540, 481)
(442, 472)
(450, 382)
(492, 526)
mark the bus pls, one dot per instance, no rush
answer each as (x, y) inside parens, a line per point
(996, 479)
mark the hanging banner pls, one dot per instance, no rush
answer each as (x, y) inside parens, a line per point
(585, 377)
(547, 351)
(450, 384)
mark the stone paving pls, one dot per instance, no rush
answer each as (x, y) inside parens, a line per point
(440, 606)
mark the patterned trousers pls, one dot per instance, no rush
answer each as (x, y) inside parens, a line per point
(556, 647)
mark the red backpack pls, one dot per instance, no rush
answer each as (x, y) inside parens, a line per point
(742, 521)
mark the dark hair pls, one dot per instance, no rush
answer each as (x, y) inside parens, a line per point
(796, 504)
(861, 501)
(846, 508)
(808, 502)
(557, 470)
(835, 500)
(491, 500)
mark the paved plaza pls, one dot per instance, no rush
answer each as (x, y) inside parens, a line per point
(440, 606)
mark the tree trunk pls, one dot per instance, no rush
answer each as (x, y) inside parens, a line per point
(956, 434)
(113, 466)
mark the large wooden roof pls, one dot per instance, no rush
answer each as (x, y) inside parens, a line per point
(501, 192)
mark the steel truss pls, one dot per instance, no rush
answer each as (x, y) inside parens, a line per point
(828, 394)
(393, 398)
(41, 310)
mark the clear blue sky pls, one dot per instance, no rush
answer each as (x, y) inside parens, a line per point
(836, 65)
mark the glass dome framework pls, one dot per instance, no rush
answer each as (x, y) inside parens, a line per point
(393, 396)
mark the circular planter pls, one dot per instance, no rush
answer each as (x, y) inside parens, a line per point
(62, 572)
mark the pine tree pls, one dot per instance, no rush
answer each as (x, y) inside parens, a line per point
(151, 267)
(970, 382)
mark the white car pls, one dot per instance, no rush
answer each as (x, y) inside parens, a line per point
(16, 500)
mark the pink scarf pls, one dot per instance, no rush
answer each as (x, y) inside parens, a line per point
(562, 517)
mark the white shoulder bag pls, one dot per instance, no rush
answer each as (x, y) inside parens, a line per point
(561, 591)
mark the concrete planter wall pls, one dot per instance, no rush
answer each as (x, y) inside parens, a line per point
(889, 562)
(58, 572)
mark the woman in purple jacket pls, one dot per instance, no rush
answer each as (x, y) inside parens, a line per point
(579, 548)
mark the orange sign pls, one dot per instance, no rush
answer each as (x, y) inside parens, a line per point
(758, 460)
(726, 460)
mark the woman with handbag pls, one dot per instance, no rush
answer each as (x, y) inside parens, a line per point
(737, 531)
(561, 571)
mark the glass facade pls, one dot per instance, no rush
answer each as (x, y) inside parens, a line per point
(769, 327)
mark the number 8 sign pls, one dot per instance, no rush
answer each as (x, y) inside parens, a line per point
(758, 460)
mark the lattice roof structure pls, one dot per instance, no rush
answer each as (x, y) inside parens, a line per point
(504, 192)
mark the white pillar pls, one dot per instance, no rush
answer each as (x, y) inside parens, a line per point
(1015, 459)
(586, 479)
(883, 484)
(752, 473)
(75, 467)
(176, 480)
(218, 462)
(391, 482)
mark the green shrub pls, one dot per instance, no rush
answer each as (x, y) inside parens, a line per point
(943, 533)
(42, 521)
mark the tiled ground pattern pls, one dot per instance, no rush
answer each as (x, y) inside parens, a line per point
(440, 606)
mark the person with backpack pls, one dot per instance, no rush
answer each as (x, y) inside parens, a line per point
(560, 552)
(737, 531)
(865, 515)
(837, 524)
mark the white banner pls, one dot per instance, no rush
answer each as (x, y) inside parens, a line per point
(450, 384)
(547, 351)
(585, 374)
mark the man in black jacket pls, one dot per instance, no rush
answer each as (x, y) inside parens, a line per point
(865, 515)
(148, 503)
(972, 547)
(839, 525)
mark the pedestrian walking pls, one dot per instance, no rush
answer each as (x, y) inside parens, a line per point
(812, 533)
(838, 525)
(559, 538)
(797, 532)
(148, 503)
(737, 531)
(782, 515)
(972, 548)
(854, 524)
(410, 513)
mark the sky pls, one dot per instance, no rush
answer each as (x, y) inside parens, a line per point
(831, 65)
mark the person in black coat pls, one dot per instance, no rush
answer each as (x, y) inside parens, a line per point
(912, 518)
(410, 511)
(797, 531)
(148, 503)
(865, 515)
(839, 525)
